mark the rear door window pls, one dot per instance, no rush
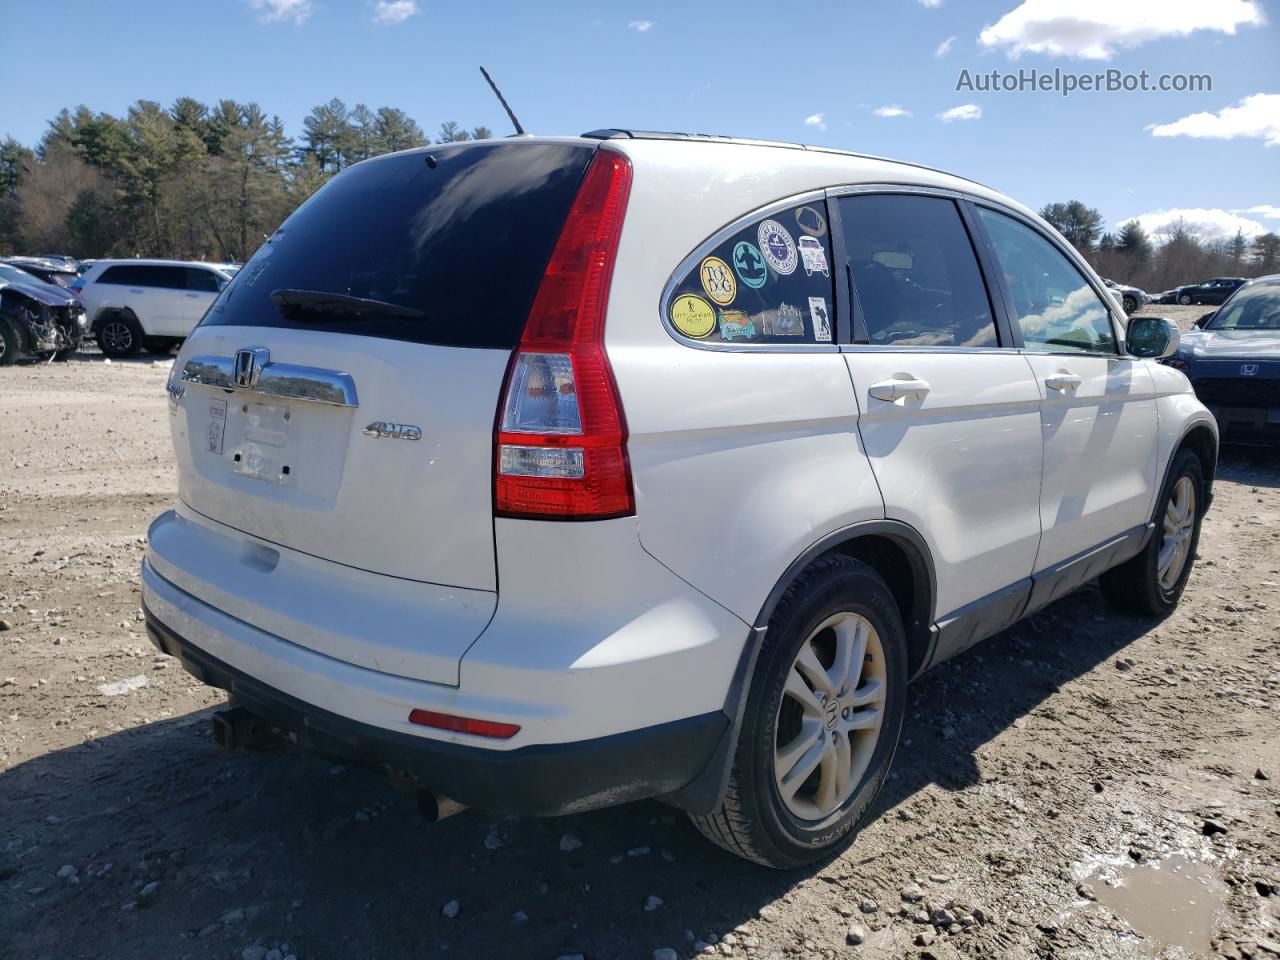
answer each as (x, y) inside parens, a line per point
(461, 233)
(769, 282)
(914, 273)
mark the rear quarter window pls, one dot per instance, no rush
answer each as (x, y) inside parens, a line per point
(768, 282)
(461, 233)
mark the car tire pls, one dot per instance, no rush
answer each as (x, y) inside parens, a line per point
(119, 335)
(10, 343)
(1153, 581)
(1130, 304)
(1185, 299)
(837, 606)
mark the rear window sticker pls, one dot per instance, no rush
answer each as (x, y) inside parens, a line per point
(777, 246)
(810, 220)
(217, 424)
(813, 256)
(821, 321)
(718, 281)
(736, 325)
(693, 316)
(786, 321)
(749, 264)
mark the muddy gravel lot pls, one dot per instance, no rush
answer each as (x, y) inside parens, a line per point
(1083, 785)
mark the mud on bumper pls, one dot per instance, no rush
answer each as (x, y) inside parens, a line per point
(537, 780)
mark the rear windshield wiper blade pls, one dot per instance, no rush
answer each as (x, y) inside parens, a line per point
(325, 302)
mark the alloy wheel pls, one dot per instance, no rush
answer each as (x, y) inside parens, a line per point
(1179, 524)
(829, 720)
(117, 336)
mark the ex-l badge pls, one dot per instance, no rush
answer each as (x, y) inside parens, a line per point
(392, 431)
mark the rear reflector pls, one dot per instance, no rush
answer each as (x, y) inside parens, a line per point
(561, 439)
(479, 728)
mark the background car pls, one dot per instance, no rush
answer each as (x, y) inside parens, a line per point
(36, 318)
(1233, 361)
(151, 304)
(1210, 292)
(57, 272)
(1131, 298)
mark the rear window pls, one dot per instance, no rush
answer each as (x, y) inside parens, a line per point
(461, 233)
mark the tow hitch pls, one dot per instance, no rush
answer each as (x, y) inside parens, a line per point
(238, 728)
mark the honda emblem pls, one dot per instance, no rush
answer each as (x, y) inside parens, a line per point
(1248, 369)
(248, 366)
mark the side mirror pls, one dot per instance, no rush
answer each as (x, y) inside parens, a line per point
(1203, 319)
(1153, 338)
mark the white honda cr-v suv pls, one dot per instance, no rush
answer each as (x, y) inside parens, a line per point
(555, 473)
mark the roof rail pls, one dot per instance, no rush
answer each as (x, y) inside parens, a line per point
(615, 133)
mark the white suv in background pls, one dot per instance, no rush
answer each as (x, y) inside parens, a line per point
(556, 473)
(151, 304)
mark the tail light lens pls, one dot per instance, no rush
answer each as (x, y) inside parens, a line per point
(561, 436)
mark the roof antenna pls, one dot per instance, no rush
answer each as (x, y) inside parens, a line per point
(503, 100)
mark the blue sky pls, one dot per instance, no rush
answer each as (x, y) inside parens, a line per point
(812, 72)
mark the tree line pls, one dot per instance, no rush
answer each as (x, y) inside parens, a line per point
(188, 182)
(1177, 255)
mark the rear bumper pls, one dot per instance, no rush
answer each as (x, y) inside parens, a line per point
(536, 780)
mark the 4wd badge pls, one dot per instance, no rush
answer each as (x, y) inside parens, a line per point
(392, 431)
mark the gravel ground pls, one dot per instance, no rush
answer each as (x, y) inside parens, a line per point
(1083, 785)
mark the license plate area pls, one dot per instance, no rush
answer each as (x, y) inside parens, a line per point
(266, 447)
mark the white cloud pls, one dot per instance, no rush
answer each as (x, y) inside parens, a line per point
(1208, 224)
(945, 47)
(640, 26)
(273, 11)
(389, 12)
(891, 110)
(1095, 29)
(968, 111)
(818, 120)
(930, 3)
(1255, 116)
(1267, 210)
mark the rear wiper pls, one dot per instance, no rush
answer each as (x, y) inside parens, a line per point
(322, 301)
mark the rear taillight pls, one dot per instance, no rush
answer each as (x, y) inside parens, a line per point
(561, 439)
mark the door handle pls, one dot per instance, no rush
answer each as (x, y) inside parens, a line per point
(1062, 381)
(898, 388)
(135, 290)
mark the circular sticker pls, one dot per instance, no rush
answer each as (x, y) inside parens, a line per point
(777, 246)
(749, 264)
(693, 316)
(717, 280)
(810, 220)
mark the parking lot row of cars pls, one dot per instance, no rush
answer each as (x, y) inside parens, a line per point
(50, 304)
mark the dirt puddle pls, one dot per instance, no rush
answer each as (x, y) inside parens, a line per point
(1172, 902)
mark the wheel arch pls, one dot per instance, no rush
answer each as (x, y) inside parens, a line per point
(900, 555)
(1202, 441)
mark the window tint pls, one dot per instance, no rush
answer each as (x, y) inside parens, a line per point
(915, 276)
(461, 233)
(121, 274)
(205, 281)
(1055, 307)
(770, 282)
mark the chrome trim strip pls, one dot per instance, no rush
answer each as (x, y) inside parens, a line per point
(285, 380)
(704, 249)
